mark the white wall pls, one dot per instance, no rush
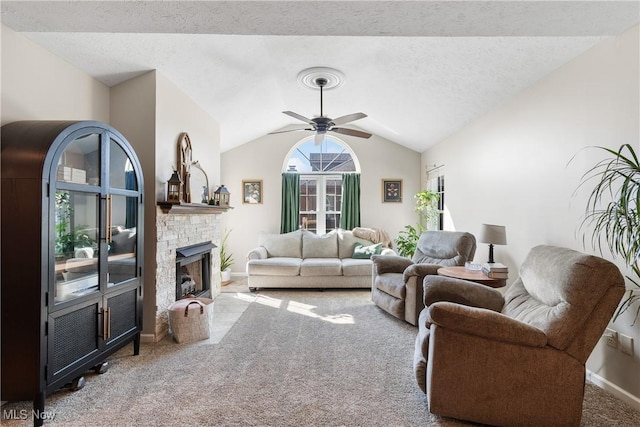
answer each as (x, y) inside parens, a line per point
(37, 85)
(176, 113)
(133, 114)
(512, 168)
(263, 159)
(152, 112)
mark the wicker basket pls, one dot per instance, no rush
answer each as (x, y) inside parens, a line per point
(190, 319)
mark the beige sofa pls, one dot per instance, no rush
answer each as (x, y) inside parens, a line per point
(302, 259)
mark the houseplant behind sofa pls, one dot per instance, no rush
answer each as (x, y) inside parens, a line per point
(301, 259)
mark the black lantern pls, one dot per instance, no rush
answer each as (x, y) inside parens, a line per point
(221, 197)
(174, 188)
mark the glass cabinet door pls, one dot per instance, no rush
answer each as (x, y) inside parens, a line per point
(96, 216)
(76, 244)
(123, 216)
(121, 173)
(80, 161)
(122, 262)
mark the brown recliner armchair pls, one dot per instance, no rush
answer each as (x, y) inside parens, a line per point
(397, 281)
(518, 359)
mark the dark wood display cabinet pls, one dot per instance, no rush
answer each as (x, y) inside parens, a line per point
(72, 242)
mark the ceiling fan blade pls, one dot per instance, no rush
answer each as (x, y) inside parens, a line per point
(319, 139)
(348, 118)
(351, 132)
(288, 130)
(299, 117)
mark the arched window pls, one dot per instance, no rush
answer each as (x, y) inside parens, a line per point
(321, 168)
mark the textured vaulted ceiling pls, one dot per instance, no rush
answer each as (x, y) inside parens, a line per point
(420, 69)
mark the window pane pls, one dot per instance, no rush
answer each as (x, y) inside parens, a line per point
(308, 222)
(333, 192)
(333, 221)
(330, 156)
(308, 195)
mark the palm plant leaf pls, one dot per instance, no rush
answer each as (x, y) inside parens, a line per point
(612, 211)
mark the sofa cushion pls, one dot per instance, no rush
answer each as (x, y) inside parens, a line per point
(287, 245)
(364, 252)
(321, 267)
(278, 266)
(347, 242)
(356, 267)
(315, 246)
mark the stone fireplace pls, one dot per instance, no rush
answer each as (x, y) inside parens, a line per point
(176, 235)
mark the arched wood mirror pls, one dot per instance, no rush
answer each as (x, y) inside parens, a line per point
(184, 164)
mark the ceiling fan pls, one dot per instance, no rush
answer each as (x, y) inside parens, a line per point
(322, 124)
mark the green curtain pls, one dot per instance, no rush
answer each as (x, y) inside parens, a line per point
(350, 214)
(289, 215)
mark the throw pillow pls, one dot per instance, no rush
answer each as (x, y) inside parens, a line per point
(282, 245)
(315, 246)
(364, 252)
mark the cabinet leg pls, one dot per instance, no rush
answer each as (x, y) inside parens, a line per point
(77, 384)
(38, 409)
(136, 345)
(101, 368)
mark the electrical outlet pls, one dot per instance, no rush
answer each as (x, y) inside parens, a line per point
(611, 337)
(626, 344)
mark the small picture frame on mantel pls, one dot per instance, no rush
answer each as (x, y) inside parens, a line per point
(392, 190)
(252, 191)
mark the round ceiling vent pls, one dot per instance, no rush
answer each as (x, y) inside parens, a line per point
(309, 78)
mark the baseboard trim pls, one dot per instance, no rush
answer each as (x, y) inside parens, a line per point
(146, 338)
(238, 274)
(618, 392)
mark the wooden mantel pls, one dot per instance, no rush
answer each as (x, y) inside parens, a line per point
(191, 208)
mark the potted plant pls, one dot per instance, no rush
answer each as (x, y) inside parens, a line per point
(612, 211)
(68, 239)
(226, 259)
(408, 239)
(427, 207)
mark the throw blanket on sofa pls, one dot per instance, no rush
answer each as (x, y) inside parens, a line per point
(375, 235)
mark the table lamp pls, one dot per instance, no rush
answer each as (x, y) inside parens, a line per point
(493, 235)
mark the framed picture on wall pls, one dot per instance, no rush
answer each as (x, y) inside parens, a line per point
(252, 191)
(392, 191)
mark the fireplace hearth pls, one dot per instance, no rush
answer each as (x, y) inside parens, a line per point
(180, 236)
(193, 270)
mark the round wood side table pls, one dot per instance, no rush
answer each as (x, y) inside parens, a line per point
(476, 276)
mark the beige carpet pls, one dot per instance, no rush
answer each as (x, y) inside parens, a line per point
(295, 358)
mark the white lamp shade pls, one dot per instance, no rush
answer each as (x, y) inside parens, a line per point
(495, 234)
